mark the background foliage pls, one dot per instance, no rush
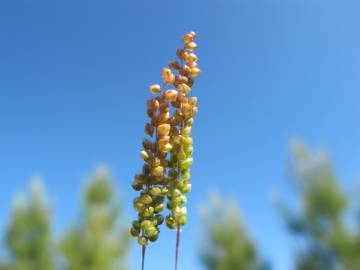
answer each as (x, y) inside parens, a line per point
(322, 222)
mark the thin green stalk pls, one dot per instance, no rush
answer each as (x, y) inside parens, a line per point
(143, 257)
(177, 246)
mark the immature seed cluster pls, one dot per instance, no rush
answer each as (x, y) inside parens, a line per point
(167, 151)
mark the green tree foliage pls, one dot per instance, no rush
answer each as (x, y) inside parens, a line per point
(28, 238)
(97, 242)
(228, 245)
(327, 243)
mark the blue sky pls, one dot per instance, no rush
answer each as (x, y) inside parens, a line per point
(73, 85)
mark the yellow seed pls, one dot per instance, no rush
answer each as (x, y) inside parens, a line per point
(186, 131)
(168, 76)
(189, 37)
(142, 240)
(193, 34)
(194, 111)
(155, 89)
(166, 148)
(163, 129)
(191, 57)
(158, 171)
(184, 88)
(153, 104)
(193, 101)
(189, 122)
(187, 110)
(170, 95)
(144, 155)
(191, 46)
(164, 117)
(195, 71)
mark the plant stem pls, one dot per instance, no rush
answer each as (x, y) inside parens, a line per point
(177, 246)
(143, 257)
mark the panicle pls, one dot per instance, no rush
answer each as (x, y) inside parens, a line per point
(167, 151)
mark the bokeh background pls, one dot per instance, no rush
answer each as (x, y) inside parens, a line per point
(277, 151)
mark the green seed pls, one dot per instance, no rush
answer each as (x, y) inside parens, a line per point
(142, 240)
(159, 219)
(186, 131)
(189, 122)
(150, 230)
(158, 208)
(188, 151)
(164, 191)
(134, 232)
(155, 191)
(148, 211)
(187, 141)
(139, 206)
(146, 224)
(146, 199)
(136, 224)
(182, 220)
(170, 222)
(170, 205)
(176, 193)
(153, 238)
(137, 186)
(183, 199)
(186, 189)
(185, 164)
(158, 171)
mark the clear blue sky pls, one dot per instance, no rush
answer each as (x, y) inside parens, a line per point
(73, 84)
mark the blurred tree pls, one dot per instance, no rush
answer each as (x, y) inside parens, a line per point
(97, 242)
(228, 245)
(327, 243)
(28, 239)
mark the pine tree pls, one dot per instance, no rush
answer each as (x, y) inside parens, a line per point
(327, 242)
(97, 242)
(28, 238)
(228, 244)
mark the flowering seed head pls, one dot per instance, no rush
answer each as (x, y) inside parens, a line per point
(167, 153)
